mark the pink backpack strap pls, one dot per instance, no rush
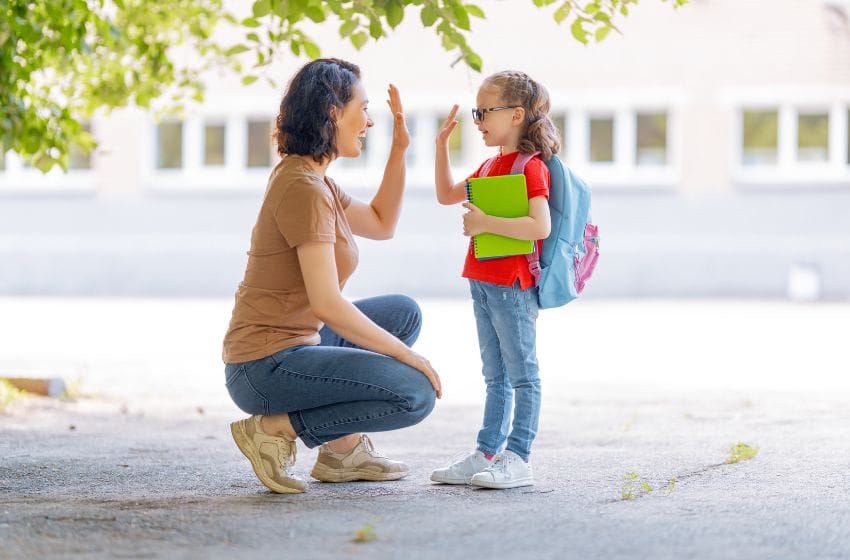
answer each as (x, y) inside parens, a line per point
(520, 162)
(485, 169)
(534, 258)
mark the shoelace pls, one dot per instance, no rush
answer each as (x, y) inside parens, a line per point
(499, 465)
(285, 459)
(370, 448)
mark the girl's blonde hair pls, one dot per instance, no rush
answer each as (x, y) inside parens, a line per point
(516, 88)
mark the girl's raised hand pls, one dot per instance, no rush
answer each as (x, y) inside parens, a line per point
(401, 136)
(448, 126)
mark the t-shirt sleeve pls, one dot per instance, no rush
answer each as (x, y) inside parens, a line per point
(344, 197)
(306, 213)
(537, 178)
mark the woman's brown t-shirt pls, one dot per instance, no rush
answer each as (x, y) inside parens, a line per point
(272, 311)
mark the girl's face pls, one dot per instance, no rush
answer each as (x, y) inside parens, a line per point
(501, 127)
(352, 123)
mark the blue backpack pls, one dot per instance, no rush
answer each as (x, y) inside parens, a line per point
(569, 255)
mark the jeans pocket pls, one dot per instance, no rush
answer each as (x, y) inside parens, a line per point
(243, 392)
(231, 371)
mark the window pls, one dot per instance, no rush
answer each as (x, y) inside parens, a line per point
(259, 143)
(651, 140)
(812, 137)
(560, 121)
(77, 157)
(760, 137)
(410, 156)
(602, 139)
(214, 135)
(169, 145)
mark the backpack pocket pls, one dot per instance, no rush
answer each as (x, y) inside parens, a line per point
(586, 263)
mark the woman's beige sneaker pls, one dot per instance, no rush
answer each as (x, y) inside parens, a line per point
(271, 456)
(361, 463)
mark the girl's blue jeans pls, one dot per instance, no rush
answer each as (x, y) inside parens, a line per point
(336, 388)
(506, 318)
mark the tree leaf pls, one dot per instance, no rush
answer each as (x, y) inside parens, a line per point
(262, 8)
(474, 61)
(236, 49)
(248, 80)
(249, 22)
(578, 30)
(475, 11)
(312, 50)
(428, 15)
(359, 39)
(376, 30)
(395, 13)
(461, 17)
(563, 12)
(315, 13)
(347, 28)
(601, 33)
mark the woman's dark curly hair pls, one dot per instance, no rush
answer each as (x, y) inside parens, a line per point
(304, 125)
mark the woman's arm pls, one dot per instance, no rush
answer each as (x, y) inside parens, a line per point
(448, 192)
(320, 278)
(532, 227)
(378, 219)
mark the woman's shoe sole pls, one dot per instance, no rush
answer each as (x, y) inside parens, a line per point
(324, 474)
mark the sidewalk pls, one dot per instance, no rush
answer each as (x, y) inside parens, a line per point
(143, 467)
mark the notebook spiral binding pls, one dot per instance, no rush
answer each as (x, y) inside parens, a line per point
(469, 198)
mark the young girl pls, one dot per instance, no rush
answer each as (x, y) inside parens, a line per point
(512, 114)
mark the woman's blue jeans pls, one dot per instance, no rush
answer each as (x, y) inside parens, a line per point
(507, 337)
(336, 388)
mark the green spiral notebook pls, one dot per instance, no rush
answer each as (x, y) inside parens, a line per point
(504, 196)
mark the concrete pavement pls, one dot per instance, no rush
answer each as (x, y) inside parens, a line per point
(141, 465)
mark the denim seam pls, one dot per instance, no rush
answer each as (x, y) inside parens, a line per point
(521, 338)
(355, 420)
(305, 431)
(502, 371)
(256, 392)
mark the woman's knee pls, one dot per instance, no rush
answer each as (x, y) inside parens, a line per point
(420, 400)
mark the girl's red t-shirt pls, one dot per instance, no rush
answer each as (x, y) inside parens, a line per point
(507, 270)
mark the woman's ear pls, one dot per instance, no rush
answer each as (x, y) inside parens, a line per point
(334, 113)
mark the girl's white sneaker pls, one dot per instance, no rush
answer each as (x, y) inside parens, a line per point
(462, 470)
(507, 470)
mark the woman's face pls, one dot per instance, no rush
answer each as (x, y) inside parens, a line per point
(352, 123)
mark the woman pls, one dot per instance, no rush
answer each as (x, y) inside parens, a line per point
(299, 379)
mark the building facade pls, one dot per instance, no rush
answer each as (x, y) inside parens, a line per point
(716, 138)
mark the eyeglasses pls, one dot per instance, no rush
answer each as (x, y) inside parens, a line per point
(479, 112)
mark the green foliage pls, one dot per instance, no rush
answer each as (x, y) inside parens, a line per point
(8, 394)
(634, 487)
(741, 452)
(366, 533)
(62, 60)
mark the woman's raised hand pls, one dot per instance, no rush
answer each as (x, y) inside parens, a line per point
(401, 136)
(448, 126)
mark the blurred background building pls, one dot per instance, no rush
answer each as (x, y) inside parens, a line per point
(716, 137)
